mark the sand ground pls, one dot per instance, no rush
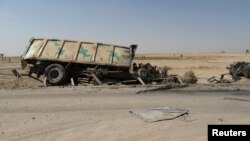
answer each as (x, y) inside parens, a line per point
(35, 113)
(79, 113)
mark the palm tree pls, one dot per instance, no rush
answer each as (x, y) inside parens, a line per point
(247, 51)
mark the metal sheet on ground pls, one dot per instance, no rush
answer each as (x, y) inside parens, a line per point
(159, 114)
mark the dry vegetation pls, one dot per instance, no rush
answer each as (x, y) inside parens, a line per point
(189, 77)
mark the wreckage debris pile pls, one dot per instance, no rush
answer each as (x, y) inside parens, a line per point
(236, 70)
(148, 72)
(239, 69)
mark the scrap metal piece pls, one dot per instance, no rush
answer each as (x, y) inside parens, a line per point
(45, 83)
(140, 80)
(214, 80)
(164, 87)
(159, 114)
(72, 81)
(17, 75)
(96, 78)
(35, 78)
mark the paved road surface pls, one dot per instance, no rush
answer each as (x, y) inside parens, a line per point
(73, 114)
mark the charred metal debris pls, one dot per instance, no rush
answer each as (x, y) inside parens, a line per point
(237, 70)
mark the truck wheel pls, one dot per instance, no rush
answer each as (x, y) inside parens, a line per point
(56, 74)
(142, 73)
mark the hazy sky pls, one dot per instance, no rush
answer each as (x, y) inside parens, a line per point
(158, 26)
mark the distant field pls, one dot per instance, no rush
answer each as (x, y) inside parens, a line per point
(204, 64)
(188, 56)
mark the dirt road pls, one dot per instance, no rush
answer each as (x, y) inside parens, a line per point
(81, 113)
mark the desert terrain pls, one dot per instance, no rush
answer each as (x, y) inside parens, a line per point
(33, 112)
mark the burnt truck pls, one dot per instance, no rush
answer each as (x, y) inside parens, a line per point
(62, 61)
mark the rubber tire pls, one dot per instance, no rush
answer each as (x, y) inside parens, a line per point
(142, 73)
(56, 74)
